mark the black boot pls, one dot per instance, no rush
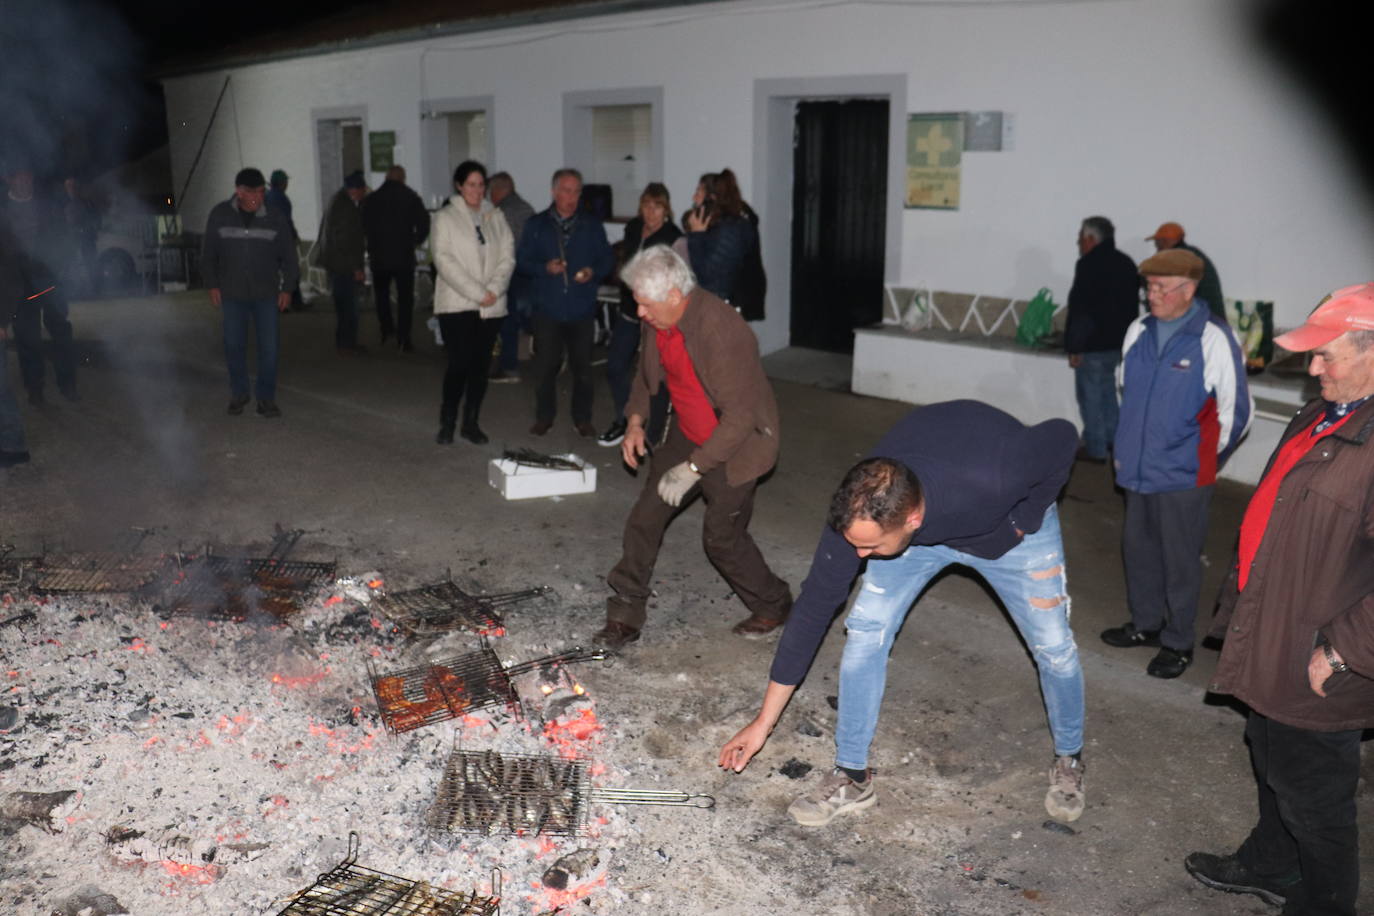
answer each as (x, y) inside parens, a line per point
(445, 436)
(471, 431)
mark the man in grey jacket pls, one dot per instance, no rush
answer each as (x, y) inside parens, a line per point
(249, 266)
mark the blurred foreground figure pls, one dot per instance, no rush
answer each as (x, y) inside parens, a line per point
(13, 449)
(38, 227)
(1297, 617)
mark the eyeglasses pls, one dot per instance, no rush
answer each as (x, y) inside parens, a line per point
(1155, 289)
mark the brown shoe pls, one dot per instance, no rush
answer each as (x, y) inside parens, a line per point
(541, 427)
(615, 635)
(585, 430)
(757, 627)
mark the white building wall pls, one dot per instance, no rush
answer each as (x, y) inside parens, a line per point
(1142, 110)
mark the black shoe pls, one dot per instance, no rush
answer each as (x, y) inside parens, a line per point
(1127, 636)
(613, 435)
(406, 347)
(69, 392)
(10, 459)
(585, 430)
(541, 427)
(1169, 663)
(236, 405)
(445, 436)
(268, 409)
(473, 433)
(615, 635)
(1226, 873)
(36, 399)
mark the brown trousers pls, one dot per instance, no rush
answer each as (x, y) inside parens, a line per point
(724, 534)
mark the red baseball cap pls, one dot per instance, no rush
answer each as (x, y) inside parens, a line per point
(1348, 309)
(1170, 232)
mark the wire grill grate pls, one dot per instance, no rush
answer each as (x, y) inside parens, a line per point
(352, 890)
(524, 795)
(445, 606)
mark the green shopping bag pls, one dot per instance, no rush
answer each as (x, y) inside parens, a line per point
(1037, 322)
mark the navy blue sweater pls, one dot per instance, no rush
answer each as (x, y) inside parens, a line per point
(983, 474)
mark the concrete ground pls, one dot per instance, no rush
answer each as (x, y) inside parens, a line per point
(962, 747)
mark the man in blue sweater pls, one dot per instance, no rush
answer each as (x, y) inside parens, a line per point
(1184, 408)
(564, 255)
(953, 483)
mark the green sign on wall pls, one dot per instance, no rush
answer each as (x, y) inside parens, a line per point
(382, 146)
(934, 147)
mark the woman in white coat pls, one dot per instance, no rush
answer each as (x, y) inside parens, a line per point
(474, 255)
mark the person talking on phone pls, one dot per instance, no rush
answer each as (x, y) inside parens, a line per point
(721, 236)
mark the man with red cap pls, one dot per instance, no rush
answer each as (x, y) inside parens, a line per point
(1170, 235)
(1297, 616)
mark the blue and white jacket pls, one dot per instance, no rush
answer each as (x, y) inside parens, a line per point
(1182, 411)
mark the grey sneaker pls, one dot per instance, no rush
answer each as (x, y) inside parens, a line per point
(837, 794)
(1064, 800)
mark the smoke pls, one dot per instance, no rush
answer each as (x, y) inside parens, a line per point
(71, 90)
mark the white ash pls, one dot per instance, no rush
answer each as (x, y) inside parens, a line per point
(244, 754)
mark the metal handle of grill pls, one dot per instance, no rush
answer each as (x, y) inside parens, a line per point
(652, 797)
(572, 655)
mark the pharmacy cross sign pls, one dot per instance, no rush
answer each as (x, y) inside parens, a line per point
(934, 144)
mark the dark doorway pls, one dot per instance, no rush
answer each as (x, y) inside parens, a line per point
(839, 221)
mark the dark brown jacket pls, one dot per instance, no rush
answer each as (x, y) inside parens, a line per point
(725, 356)
(1312, 577)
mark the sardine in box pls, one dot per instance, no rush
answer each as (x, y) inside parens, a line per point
(520, 481)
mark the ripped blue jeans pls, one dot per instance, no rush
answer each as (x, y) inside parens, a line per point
(1031, 582)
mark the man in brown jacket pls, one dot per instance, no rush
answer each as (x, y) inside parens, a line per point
(1297, 614)
(725, 437)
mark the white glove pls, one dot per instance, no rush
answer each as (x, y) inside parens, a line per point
(674, 485)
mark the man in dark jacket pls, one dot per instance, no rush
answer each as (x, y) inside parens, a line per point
(1103, 301)
(1170, 235)
(724, 440)
(342, 250)
(954, 483)
(1297, 617)
(249, 266)
(517, 211)
(564, 255)
(396, 223)
(37, 226)
(278, 200)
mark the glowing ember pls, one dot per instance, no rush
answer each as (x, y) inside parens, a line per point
(547, 899)
(333, 600)
(308, 680)
(193, 874)
(375, 583)
(581, 727)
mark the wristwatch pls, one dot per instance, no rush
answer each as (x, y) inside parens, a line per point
(692, 466)
(1336, 666)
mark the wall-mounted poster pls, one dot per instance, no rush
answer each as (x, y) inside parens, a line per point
(382, 146)
(934, 145)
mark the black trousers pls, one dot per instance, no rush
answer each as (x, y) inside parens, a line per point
(1162, 539)
(551, 338)
(1307, 825)
(47, 310)
(468, 340)
(724, 535)
(405, 302)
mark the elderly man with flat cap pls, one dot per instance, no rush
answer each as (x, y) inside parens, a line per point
(1169, 237)
(1184, 407)
(1297, 616)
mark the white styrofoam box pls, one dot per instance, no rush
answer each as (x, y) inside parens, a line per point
(515, 481)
